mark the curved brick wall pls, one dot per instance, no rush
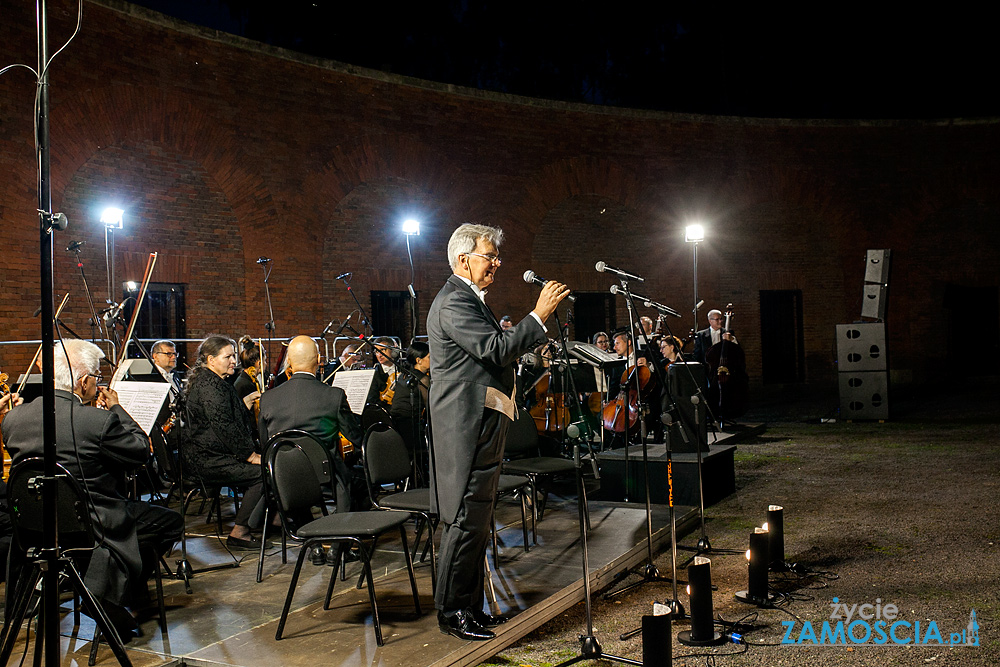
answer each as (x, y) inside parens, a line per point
(222, 151)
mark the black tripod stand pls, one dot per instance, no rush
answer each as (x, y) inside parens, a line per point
(590, 648)
(43, 564)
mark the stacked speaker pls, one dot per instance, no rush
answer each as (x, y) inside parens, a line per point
(862, 359)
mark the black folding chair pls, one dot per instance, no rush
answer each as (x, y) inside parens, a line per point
(387, 461)
(290, 477)
(319, 455)
(523, 458)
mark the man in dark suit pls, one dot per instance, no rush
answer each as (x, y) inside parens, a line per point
(707, 338)
(303, 402)
(471, 406)
(98, 447)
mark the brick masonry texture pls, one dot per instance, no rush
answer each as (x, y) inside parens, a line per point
(222, 151)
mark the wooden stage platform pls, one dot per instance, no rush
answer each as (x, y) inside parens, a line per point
(229, 619)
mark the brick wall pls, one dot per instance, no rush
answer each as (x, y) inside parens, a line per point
(221, 151)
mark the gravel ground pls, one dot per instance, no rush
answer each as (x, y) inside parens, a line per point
(898, 512)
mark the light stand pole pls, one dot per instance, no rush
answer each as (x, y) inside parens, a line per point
(411, 227)
(112, 219)
(695, 234)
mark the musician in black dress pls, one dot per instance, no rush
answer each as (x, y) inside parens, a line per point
(411, 395)
(219, 443)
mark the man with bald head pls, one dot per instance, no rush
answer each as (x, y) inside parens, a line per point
(305, 403)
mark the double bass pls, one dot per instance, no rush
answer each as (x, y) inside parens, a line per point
(729, 384)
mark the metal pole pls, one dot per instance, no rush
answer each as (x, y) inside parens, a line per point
(50, 581)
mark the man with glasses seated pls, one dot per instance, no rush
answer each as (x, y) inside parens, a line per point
(98, 443)
(164, 355)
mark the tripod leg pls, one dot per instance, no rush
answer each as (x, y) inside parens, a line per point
(13, 621)
(96, 611)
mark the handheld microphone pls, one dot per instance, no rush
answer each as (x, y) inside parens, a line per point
(263, 260)
(602, 268)
(75, 245)
(348, 274)
(532, 279)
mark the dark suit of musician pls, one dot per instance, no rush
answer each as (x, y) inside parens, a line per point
(472, 366)
(98, 447)
(305, 403)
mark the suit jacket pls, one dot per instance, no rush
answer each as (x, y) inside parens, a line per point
(470, 354)
(702, 344)
(303, 402)
(109, 443)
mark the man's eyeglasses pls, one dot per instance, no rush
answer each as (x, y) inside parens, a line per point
(168, 354)
(96, 376)
(493, 259)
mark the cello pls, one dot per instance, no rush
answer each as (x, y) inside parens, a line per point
(729, 384)
(627, 402)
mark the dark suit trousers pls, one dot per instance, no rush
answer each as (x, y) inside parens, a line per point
(463, 543)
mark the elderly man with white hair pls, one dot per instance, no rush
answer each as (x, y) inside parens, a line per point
(98, 446)
(471, 406)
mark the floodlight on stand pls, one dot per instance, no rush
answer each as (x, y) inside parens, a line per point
(757, 590)
(131, 286)
(694, 233)
(113, 217)
(702, 632)
(775, 528)
(411, 227)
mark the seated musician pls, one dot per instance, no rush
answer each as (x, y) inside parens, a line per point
(601, 340)
(349, 358)
(623, 346)
(707, 338)
(164, 354)
(307, 404)
(249, 381)
(99, 445)
(407, 403)
(384, 382)
(220, 445)
(670, 350)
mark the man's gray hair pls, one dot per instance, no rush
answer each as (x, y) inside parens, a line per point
(84, 359)
(463, 240)
(713, 312)
(160, 344)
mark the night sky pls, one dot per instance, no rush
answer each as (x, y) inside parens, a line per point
(807, 62)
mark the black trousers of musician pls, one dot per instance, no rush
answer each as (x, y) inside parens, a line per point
(463, 543)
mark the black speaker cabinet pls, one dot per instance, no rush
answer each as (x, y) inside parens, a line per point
(861, 347)
(864, 395)
(874, 301)
(877, 266)
(684, 379)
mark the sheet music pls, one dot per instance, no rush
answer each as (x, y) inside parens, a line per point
(356, 384)
(142, 400)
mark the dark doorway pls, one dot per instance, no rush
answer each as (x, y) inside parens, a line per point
(161, 316)
(782, 352)
(391, 314)
(593, 312)
(971, 309)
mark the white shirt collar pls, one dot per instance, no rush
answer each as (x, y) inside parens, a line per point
(481, 293)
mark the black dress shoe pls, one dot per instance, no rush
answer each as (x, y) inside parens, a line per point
(486, 620)
(463, 626)
(317, 556)
(239, 544)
